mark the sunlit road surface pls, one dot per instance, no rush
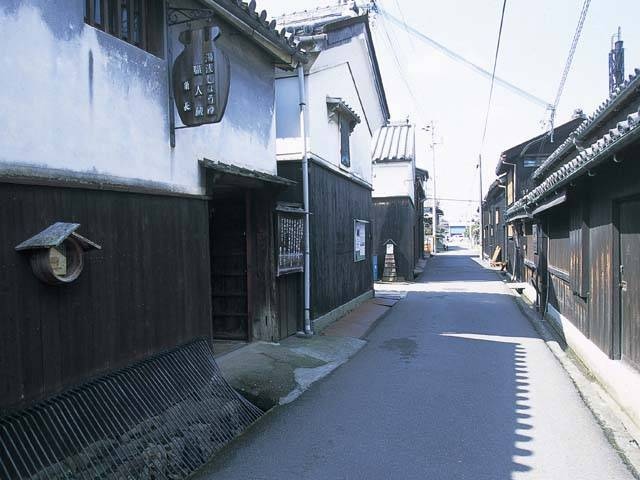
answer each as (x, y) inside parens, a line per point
(453, 384)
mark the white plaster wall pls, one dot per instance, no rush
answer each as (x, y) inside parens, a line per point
(393, 180)
(111, 118)
(343, 71)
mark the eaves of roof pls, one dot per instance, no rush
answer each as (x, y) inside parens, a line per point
(623, 134)
(378, 76)
(421, 172)
(259, 29)
(604, 111)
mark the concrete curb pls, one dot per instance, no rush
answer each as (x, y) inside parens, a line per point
(616, 425)
(375, 323)
(322, 322)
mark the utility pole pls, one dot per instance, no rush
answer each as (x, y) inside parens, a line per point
(481, 223)
(434, 221)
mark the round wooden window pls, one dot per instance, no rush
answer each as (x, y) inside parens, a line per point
(58, 265)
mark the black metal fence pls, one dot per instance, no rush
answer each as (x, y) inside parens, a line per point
(160, 419)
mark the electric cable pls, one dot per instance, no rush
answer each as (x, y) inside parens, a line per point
(493, 75)
(457, 57)
(404, 20)
(567, 66)
(400, 69)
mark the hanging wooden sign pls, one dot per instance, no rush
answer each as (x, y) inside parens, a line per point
(201, 75)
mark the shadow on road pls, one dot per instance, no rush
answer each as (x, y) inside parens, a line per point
(440, 392)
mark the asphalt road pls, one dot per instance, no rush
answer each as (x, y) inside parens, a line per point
(453, 384)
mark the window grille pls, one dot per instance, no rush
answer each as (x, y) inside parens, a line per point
(138, 22)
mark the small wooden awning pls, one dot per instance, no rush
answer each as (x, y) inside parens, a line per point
(54, 235)
(558, 200)
(222, 174)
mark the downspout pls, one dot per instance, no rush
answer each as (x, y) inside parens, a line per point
(305, 196)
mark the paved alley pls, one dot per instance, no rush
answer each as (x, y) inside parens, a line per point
(453, 384)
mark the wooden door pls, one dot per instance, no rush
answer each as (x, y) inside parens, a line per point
(290, 304)
(229, 269)
(629, 228)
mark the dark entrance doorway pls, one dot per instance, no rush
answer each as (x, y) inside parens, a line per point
(629, 228)
(229, 297)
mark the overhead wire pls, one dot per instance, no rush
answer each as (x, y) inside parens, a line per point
(459, 58)
(404, 20)
(569, 62)
(493, 75)
(401, 72)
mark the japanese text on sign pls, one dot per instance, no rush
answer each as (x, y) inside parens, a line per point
(290, 243)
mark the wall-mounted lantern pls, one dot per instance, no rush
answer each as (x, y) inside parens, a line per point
(56, 253)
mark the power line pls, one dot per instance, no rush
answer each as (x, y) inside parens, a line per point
(459, 58)
(401, 72)
(486, 118)
(567, 66)
(404, 21)
(493, 76)
(440, 199)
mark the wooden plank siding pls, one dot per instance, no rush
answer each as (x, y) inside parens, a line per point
(335, 202)
(147, 290)
(394, 218)
(290, 303)
(583, 256)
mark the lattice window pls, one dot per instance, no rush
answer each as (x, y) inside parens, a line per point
(138, 22)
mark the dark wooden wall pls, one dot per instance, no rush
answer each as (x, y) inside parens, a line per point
(491, 240)
(395, 219)
(335, 202)
(583, 234)
(419, 230)
(147, 290)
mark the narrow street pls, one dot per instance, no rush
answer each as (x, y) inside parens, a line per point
(453, 384)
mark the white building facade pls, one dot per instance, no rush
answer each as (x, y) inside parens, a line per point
(346, 106)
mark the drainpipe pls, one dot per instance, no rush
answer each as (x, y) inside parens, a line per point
(305, 196)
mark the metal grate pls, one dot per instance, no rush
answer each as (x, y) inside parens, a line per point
(159, 419)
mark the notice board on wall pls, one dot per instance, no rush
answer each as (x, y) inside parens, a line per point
(290, 242)
(359, 240)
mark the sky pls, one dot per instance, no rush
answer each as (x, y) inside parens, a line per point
(426, 86)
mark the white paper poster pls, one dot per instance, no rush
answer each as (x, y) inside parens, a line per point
(360, 240)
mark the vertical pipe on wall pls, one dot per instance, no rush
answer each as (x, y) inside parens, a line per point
(169, 54)
(305, 196)
(434, 221)
(481, 223)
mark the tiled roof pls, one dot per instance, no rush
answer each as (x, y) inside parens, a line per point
(337, 106)
(539, 145)
(605, 147)
(317, 17)
(394, 143)
(607, 107)
(261, 26)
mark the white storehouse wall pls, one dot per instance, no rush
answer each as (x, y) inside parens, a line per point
(395, 179)
(76, 99)
(344, 71)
